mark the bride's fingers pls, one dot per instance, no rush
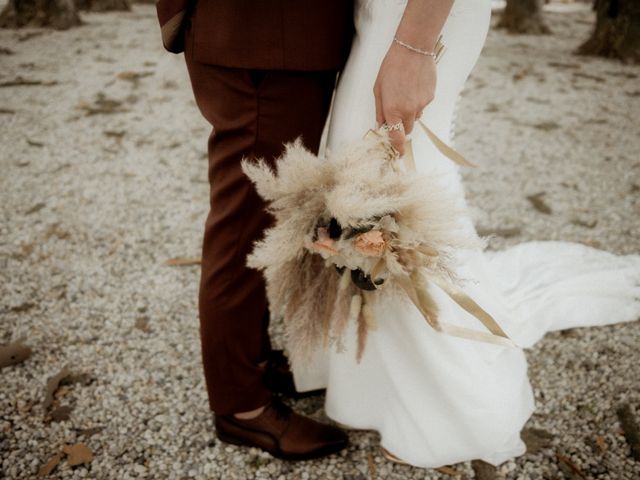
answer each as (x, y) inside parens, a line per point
(379, 114)
(408, 125)
(397, 136)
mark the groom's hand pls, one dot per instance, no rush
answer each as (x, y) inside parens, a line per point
(405, 85)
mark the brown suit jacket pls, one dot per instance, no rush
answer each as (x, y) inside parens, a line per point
(261, 34)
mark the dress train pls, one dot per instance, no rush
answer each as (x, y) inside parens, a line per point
(437, 399)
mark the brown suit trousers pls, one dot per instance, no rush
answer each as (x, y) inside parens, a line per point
(253, 113)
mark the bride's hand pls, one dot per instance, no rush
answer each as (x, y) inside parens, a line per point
(405, 85)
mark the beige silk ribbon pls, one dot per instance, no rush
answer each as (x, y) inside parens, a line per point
(445, 149)
(496, 334)
(416, 286)
(424, 302)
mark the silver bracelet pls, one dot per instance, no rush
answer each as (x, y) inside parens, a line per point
(414, 49)
(436, 54)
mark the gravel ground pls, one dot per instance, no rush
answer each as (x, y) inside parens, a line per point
(104, 180)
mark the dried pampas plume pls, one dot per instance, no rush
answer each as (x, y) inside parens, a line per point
(348, 227)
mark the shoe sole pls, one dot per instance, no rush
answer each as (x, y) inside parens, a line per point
(321, 452)
(344, 426)
(310, 393)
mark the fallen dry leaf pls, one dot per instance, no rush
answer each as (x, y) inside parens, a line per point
(13, 353)
(61, 391)
(142, 323)
(568, 467)
(372, 466)
(483, 470)
(29, 36)
(87, 432)
(34, 143)
(546, 126)
(78, 454)
(630, 429)
(82, 378)
(55, 231)
(52, 385)
(521, 74)
(449, 471)
(102, 105)
(536, 439)
(114, 133)
(601, 443)
(25, 82)
(591, 243)
(50, 466)
(538, 203)
(183, 261)
(583, 223)
(25, 407)
(563, 65)
(589, 77)
(22, 307)
(61, 413)
(36, 208)
(133, 76)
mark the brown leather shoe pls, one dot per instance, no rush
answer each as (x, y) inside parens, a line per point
(282, 432)
(279, 379)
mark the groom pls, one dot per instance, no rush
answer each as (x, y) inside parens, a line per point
(262, 73)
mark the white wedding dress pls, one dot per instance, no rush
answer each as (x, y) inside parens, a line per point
(437, 399)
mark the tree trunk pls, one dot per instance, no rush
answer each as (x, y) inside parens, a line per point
(617, 31)
(59, 14)
(103, 5)
(523, 16)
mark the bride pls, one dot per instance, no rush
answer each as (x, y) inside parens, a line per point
(437, 399)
